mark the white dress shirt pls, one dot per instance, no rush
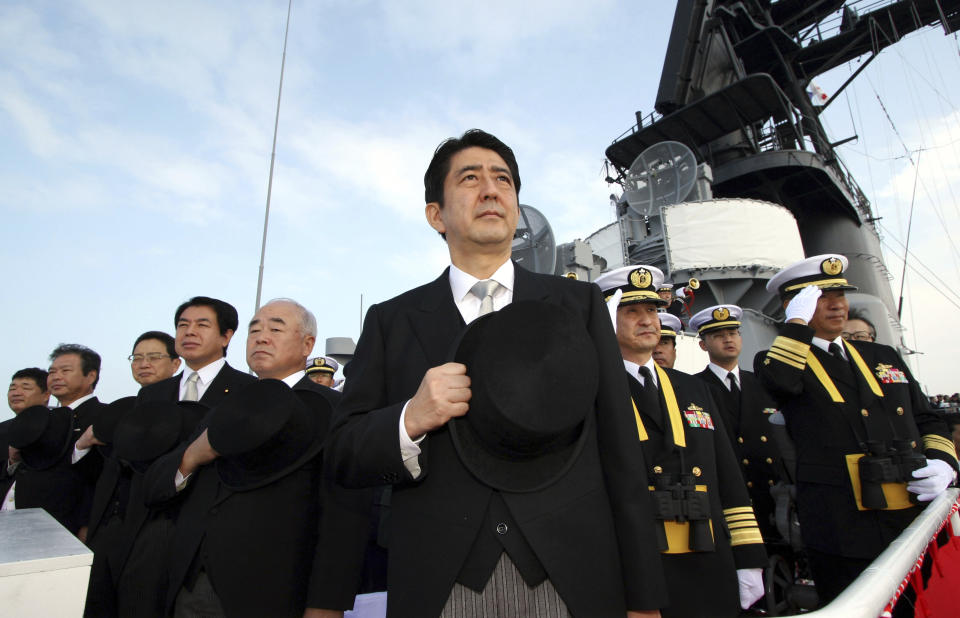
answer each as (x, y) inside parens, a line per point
(78, 453)
(824, 345)
(469, 307)
(634, 370)
(721, 373)
(206, 375)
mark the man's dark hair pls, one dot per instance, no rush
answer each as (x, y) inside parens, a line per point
(440, 164)
(89, 360)
(856, 314)
(33, 373)
(227, 318)
(163, 338)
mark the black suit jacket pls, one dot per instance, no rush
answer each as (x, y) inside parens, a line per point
(592, 530)
(709, 457)
(165, 390)
(61, 489)
(757, 443)
(826, 431)
(304, 535)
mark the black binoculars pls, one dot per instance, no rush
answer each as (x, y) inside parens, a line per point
(675, 498)
(886, 462)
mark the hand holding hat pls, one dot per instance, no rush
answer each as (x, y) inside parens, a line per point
(88, 440)
(932, 479)
(804, 304)
(199, 453)
(443, 394)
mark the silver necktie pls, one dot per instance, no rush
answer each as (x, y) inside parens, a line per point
(484, 290)
(192, 394)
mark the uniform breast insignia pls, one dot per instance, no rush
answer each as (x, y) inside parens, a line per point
(770, 410)
(697, 418)
(888, 374)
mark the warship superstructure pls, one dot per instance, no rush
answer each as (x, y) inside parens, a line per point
(732, 176)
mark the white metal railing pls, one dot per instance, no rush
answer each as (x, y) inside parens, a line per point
(868, 596)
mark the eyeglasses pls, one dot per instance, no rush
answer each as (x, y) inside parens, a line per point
(860, 335)
(150, 358)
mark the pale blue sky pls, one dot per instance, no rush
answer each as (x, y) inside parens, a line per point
(136, 145)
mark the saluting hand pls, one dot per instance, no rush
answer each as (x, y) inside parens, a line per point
(443, 394)
(801, 307)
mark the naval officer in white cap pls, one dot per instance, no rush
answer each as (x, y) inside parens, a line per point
(869, 448)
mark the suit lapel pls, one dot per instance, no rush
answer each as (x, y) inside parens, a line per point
(528, 286)
(436, 321)
(219, 387)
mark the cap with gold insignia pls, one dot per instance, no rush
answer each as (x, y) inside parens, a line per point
(665, 286)
(639, 284)
(670, 324)
(323, 364)
(824, 271)
(718, 316)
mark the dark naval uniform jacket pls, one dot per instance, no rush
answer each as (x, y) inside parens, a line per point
(832, 407)
(270, 551)
(755, 441)
(686, 435)
(590, 532)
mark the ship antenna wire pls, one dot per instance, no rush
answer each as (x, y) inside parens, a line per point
(273, 158)
(906, 245)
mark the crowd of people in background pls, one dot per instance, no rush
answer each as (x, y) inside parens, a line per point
(589, 477)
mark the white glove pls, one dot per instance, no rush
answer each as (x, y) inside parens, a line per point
(804, 304)
(932, 479)
(751, 586)
(682, 293)
(612, 305)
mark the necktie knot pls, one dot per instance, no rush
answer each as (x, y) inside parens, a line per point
(734, 386)
(192, 393)
(484, 290)
(836, 351)
(647, 376)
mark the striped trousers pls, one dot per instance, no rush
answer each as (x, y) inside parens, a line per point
(506, 595)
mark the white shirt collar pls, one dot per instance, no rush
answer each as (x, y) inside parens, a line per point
(824, 344)
(206, 374)
(721, 373)
(293, 378)
(634, 369)
(461, 282)
(74, 405)
(469, 305)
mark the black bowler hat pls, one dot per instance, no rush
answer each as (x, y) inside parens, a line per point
(154, 428)
(42, 435)
(533, 380)
(263, 432)
(106, 422)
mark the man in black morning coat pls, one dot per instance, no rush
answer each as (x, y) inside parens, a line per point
(845, 400)
(204, 328)
(585, 543)
(271, 548)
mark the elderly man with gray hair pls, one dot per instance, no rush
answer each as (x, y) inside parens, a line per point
(251, 489)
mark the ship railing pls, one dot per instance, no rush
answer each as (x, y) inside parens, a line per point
(879, 587)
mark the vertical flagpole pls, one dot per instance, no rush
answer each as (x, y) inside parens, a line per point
(273, 158)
